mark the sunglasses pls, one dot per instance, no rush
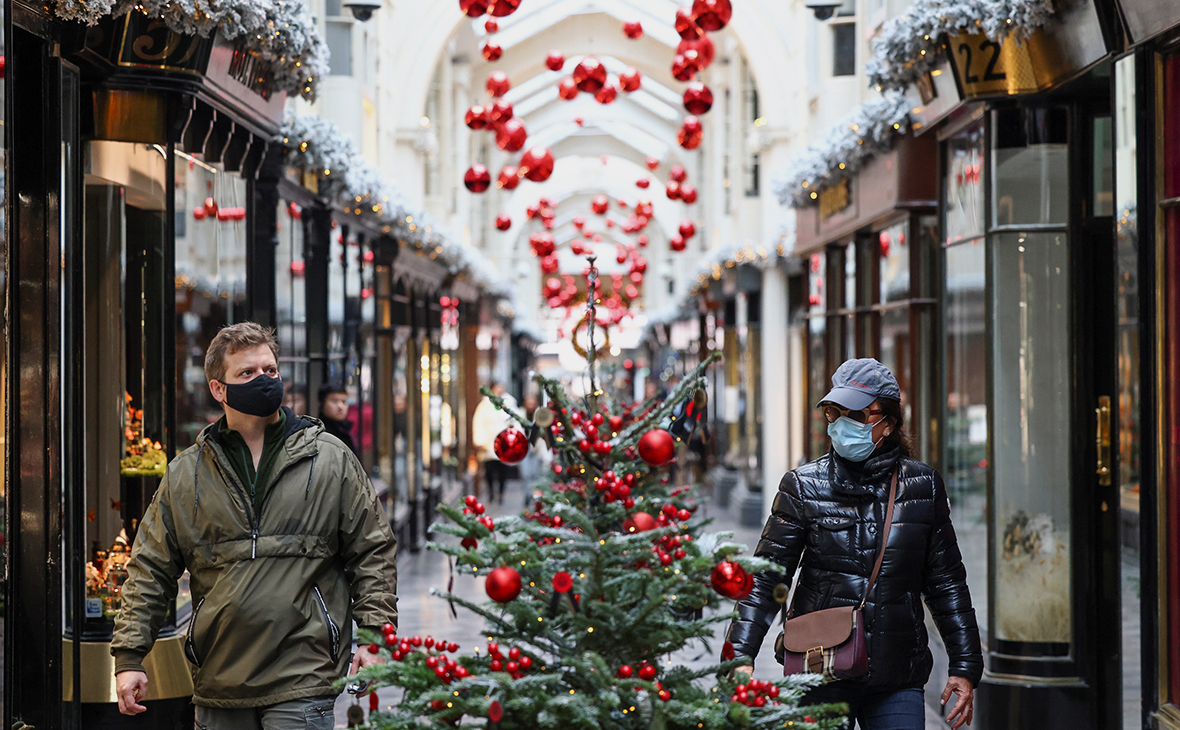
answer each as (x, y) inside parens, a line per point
(833, 412)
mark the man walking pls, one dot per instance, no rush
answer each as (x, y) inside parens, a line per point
(334, 413)
(285, 544)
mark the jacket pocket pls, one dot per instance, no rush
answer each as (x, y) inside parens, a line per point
(190, 648)
(834, 536)
(333, 629)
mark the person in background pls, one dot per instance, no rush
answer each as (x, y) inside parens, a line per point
(828, 516)
(285, 544)
(486, 423)
(334, 414)
(539, 458)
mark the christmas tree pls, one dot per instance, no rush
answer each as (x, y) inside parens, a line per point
(608, 572)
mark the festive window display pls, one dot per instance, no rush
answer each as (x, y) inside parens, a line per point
(143, 456)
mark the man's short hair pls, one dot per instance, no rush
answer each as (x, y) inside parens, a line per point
(235, 338)
(331, 388)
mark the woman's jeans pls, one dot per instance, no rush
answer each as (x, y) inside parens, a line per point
(892, 710)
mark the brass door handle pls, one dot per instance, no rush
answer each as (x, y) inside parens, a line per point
(1102, 440)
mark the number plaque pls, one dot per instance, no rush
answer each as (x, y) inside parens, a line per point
(989, 68)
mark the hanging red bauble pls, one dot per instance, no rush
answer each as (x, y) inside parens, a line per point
(555, 60)
(511, 136)
(550, 264)
(509, 178)
(491, 26)
(474, 8)
(576, 247)
(567, 88)
(687, 229)
(537, 164)
(503, 584)
(657, 447)
(672, 190)
(698, 99)
(552, 287)
(642, 182)
(633, 29)
(640, 522)
(642, 241)
(579, 221)
(606, 94)
(632, 291)
(730, 580)
(677, 243)
(630, 80)
(652, 163)
(579, 121)
(711, 15)
(686, 26)
(682, 68)
(492, 51)
(543, 243)
(498, 83)
(500, 8)
(477, 179)
(640, 265)
(689, 139)
(636, 278)
(211, 207)
(511, 446)
(563, 582)
(692, 125)
(688, 194)
(599, 204)
(644, 209)
(477, 117)
(548, 223)
(678, 173)
(533, 210)
(590, 75)
(499, 112)
(503, 221)
(704, 47)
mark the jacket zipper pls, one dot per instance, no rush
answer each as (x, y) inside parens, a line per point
(189, 647)
(253, 519)
(333, 630)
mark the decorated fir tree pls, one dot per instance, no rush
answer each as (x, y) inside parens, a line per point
(610, 571)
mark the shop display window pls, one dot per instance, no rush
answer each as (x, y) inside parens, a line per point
(963, 188)
(291, 307)
(818, 376)
(1030, 156)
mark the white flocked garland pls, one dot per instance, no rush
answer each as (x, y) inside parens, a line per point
(910, 45)
(280, 31)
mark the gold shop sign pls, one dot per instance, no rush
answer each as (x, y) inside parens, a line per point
(988, 68)
(834, 199)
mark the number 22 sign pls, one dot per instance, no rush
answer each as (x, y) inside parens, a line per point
(989, 68)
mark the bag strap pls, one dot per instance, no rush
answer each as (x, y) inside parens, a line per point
(884, 537)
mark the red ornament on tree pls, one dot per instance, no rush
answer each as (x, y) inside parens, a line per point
(562, 582)
(512, 135)
(477, 117)
(511, 445)
(731, 580)
(495, 711)
(503, 221)
(477, 179)
(503, 584)
(711, 15)
(498, 83)
(630, 80)
(500, 8)
(567, 89)
(657, 447)
(640, 522)
(590, 75)
(474, 8)
(509, 178)
(492, 51)
(698, 99)
(555, 60)
(686, 26)
(633, 29)
(537, 164)
(607, 94)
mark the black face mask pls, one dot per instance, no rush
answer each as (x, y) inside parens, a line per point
(260, 397)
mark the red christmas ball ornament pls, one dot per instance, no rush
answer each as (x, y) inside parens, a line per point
(657, 447)
(647, 672)
(729, 579)
(555, 60)
(495, 711)
(677, 243)
(562, 582)
(579, 221)
(503, 221)
(672, 190)
(686, 25)
(652, 163)
(567, 89)
(704, 47)
(537, 164)
(503, 584)
(509, 178)
(533, 211)
(687, 229)
(474, 8)
(606, 94)
(492, 51)
(500, 8)
(630, 80)
(692, 125)
(642, 182)
(477, 117)
(477, 178)
(469, 542)
(632, 291)
(633, 29)
(511, 446)
(642, 241)
(698, 99)
(599, 204)
(512, 135)
(499, 112)
(711, 15)
(491, 26)
(579, 121)
(640, 522)
(688, 194)
(678, 173)
(683, 69)
(498, 84)
(590, 75)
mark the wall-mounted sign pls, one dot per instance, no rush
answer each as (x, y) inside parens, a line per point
(834, 199)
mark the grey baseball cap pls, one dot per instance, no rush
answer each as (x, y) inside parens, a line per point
(857, 383)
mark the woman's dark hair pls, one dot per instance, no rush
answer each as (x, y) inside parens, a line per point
(897, 437)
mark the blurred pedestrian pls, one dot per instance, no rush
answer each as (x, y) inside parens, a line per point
(486, 423)
(537, 462)
(285, 545)
(829, 515)
(334, 414)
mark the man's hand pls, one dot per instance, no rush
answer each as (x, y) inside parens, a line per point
(964, 708)
(363, 659)
(747, 669)
(131, 686)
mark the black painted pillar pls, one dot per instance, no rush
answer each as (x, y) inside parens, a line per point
(263, 202)
(316, 247)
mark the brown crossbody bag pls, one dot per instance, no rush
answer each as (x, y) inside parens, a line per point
(831, 641)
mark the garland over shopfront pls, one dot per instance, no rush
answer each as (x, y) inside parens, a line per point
(317, 146)
(278, 31)
(845, 149)
(910, 45)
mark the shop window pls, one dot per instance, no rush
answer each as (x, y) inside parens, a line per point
(338, 35)
(818, 376)
(751, 117)
(291, 306)
(844, 49)
(1030, 163)
(1102, 192)
(963, 187)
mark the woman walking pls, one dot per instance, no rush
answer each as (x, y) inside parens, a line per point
(830, 514)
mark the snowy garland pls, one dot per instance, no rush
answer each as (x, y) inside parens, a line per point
(279, 31)
(910, 45)
(868, 132)
(317, 145)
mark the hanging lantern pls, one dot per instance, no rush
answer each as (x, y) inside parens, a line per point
(499, 112)
(606, 94)
(492, 51)
(503, 221)
(688, 194)
(500, 8)
(511, 136)
(498, 84)
(477, 179)
(509, 178)
(630, 79)
(633, 29)
(567, 89)
(555, 60)
(590, 75)
(698, 99)
(710, 15)
(686, 25)
(537, 164)
(474, 8)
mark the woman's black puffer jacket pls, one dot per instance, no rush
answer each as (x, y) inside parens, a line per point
(832, 516)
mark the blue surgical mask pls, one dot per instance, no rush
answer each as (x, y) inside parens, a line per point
(852, 440)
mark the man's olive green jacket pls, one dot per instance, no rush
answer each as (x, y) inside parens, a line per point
(274, 590)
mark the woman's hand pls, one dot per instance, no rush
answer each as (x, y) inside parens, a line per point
(749, 670)
(964, 707)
